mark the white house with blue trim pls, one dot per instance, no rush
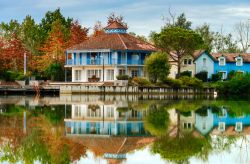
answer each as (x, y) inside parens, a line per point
(108, 55)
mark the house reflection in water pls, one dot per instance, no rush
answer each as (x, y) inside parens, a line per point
(109, 128)
(221, 122)
(111, 118)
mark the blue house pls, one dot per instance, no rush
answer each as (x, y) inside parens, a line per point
(226, 63)
(222, 63)
(221, 121)
(204, 61)
(108, 55)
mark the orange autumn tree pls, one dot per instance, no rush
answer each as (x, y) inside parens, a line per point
(14, 54)
(3, 55)
(77, 34)
(98, 29)
(54, 47)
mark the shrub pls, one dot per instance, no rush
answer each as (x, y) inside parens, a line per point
(157, 65)
(55, 72)
(20, 77)
(202, 76)
(191, 82)
(10, 75)
(122, 77)
(174, 83)
(231, 74)
(216, 77)
(238, 85)
(186, 73)
(141, 81)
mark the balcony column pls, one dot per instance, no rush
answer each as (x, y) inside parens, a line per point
(126, 63)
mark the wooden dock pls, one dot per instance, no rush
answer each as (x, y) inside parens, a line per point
(29, 90)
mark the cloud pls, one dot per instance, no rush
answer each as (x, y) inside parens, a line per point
(142, 16)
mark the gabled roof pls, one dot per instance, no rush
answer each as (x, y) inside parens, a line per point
(114, 41)
(230, 57)
(115, 25)
(114, 145)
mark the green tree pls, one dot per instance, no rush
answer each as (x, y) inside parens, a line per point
(177, 42)
(157, 120)
(54, 71)
(179, 150)
(7, 30)
(206, 35)
(182, 22)
(29, 34)
(225, 43)
(157, 66)
(48, 20)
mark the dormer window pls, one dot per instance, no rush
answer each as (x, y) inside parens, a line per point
(239, 61)
(222, 61)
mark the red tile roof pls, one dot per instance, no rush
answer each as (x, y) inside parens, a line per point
(114, 41)
(197, 53)
(230, 57)
(115, 25)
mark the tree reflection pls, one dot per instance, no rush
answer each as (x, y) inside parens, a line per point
(157, 120)
(180, 146)
(179, 150)
(44, 140)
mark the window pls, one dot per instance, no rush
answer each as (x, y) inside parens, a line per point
(187, 125)
(223, 75)
(239, 61)
(204, 62)
(77, 75)
(93, 111)
(238, 127)
(91, 73)
(110, 112)
(93, 58)
(134, 113)
(185, 61)
(134, 73)
(204, 125)
(222, 61)
(77, 111)
(123, 58)
(122, 71)
(221, 126)
(189, 61)
(110, 74)
(135, 59)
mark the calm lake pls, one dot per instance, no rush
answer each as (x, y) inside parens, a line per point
(124, 129)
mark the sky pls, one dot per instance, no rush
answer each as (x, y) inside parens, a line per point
(142, 16)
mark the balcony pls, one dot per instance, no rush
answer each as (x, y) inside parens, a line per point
(106, 62)
(135, 62)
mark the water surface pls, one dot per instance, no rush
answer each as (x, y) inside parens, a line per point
(124, 129)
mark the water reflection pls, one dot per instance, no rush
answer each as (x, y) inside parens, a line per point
(116, 128)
